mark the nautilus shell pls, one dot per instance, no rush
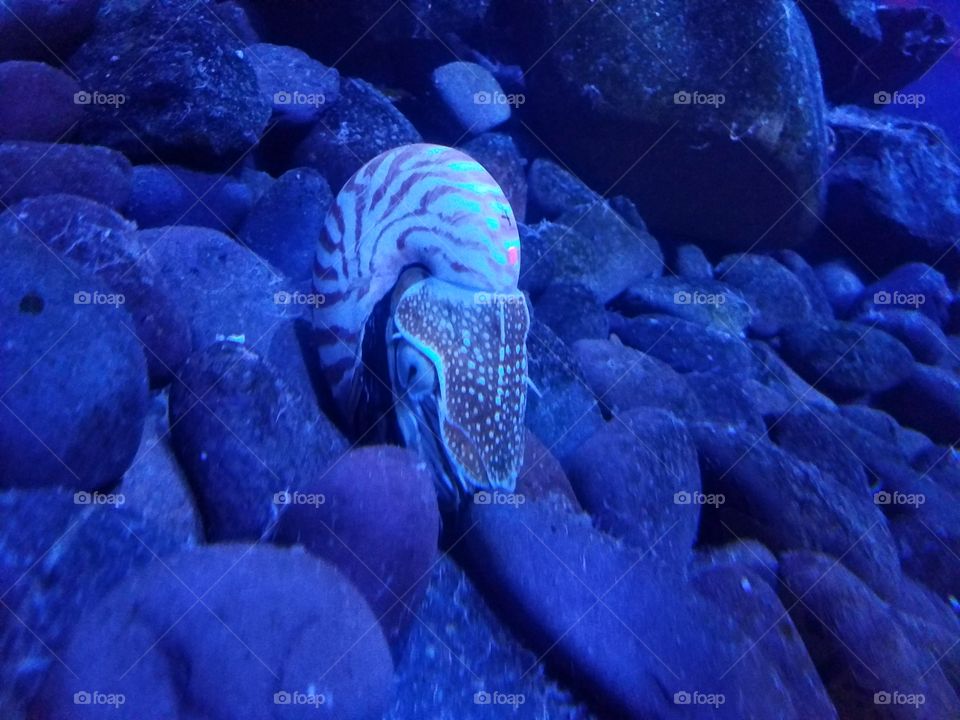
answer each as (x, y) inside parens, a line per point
(426, 229)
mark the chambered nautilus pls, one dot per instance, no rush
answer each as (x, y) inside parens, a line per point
(425, 234)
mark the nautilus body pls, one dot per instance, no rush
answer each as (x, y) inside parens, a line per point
(424, 232)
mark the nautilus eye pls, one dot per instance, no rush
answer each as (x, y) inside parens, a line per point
(415, 374)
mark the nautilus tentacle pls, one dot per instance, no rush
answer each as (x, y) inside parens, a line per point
(435, 208)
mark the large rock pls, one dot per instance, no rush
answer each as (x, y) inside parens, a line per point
(105, 245)
(227, 292)
(704, 301)
(865, 49)
(925, 519)
(921, 335)
(646, 99)
(846, 360)
(775, 293)
(804, 272)
(628, 634)
(561, 410)
(460, 653)
(912, 445)
(155, 485)
(373, 514)
(73, 379)
(543, 247)
(814, 438)
(776, 375)
(168, 79)
(928, 400)
(803, 509)
(685, 346)
(235, 16)
(748, 602)
(297, 87)
(871, 437)
(46, 29)
(607, 253)
(284, 225)
(743, 554)
(37, 103)
(573, 312)
(691, 263)
(730, 400)
(638, 478)
(554, 190)
(245, 439)
(868, 673)
(623, 378)
(916, 286)
(30, 169)
(265, 633)
(894, 192)
(542, 476)
(362, 124)
(842, 286)
(170, 195)
(471, 96)
(60, 553)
